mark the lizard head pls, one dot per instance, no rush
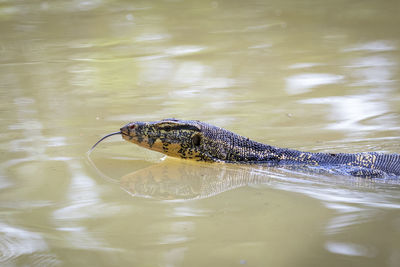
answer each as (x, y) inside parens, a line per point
(192, 140)
(175, 138)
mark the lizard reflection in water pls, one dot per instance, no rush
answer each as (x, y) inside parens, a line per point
(204, 142)
(173, 180)
(186, 180)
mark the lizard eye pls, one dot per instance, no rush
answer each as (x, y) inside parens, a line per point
(196, 140)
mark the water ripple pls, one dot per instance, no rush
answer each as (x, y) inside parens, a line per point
(374, 46)
(303, 83)
(15, 242)
(349, 249)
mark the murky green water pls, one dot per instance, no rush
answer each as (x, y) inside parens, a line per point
(310, 75)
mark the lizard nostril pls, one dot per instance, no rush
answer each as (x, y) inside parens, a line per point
(125, 130)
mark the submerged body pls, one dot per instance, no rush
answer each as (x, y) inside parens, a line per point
(204, 142)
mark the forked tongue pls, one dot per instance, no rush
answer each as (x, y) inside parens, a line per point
(108, 135)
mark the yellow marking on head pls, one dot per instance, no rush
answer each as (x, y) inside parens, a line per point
(169, 149)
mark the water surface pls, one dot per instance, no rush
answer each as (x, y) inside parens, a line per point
(310, 75)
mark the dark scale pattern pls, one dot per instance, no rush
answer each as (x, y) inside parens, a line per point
(217, 144)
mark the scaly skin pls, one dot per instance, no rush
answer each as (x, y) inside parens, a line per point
(204, 142)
